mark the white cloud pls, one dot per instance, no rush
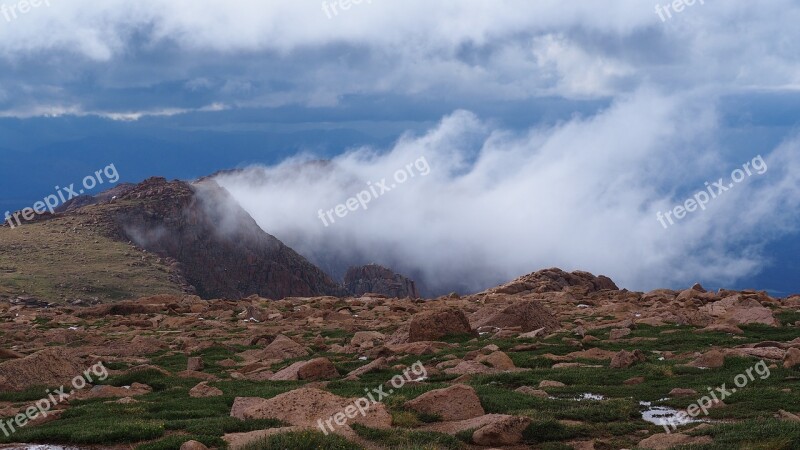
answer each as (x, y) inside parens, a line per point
(581, 195)
(507, 49)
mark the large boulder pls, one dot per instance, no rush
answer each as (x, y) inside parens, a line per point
(47, 368)
(665, 441)
(738, 310)
(203, 390)
(625, 359)
(507, 431)
(306, 407)
(280, 349)
(457, 402)
(528, 315)
(439, 323)
(313, 370)
(712, 359)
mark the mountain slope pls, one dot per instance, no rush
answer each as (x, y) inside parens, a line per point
(154, 237)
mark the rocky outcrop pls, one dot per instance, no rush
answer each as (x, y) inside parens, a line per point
(556, 280)
(376, 279)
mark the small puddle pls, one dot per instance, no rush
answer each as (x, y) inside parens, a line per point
(590, 396)
(663, 415)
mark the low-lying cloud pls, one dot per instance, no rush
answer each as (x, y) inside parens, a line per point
(497, 204)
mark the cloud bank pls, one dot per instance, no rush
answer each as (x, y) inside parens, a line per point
(497, 204)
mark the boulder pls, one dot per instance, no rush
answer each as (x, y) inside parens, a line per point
(193, 445)
(457, 402)
(528, 315)
(507, 431)
(625, 359)
(738, 310)
(306, 406)
(711, 359)
(439, 323)
(195, 364)
(665, 441)
(49, 367)
(317, 369)
(498, 360)
(204, 390)
(792, 358)
(527, 390)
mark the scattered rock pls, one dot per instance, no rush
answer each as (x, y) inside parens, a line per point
(498, 360)
(195, 364)
(532, 391)
(619, 333)
(792, 358)
(204, 390)
(625, 359)
(712, 359)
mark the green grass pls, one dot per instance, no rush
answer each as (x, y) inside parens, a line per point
(402, 439)
(766, 434)
(311, 440)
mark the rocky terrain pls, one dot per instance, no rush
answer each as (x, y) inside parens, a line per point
(552, 360)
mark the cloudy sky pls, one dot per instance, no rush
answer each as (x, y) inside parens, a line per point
(555, 131)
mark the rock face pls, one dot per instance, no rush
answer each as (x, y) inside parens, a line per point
(457, 402)
(221, 250)
(376, 279)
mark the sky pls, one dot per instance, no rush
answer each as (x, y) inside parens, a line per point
(553, 133)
